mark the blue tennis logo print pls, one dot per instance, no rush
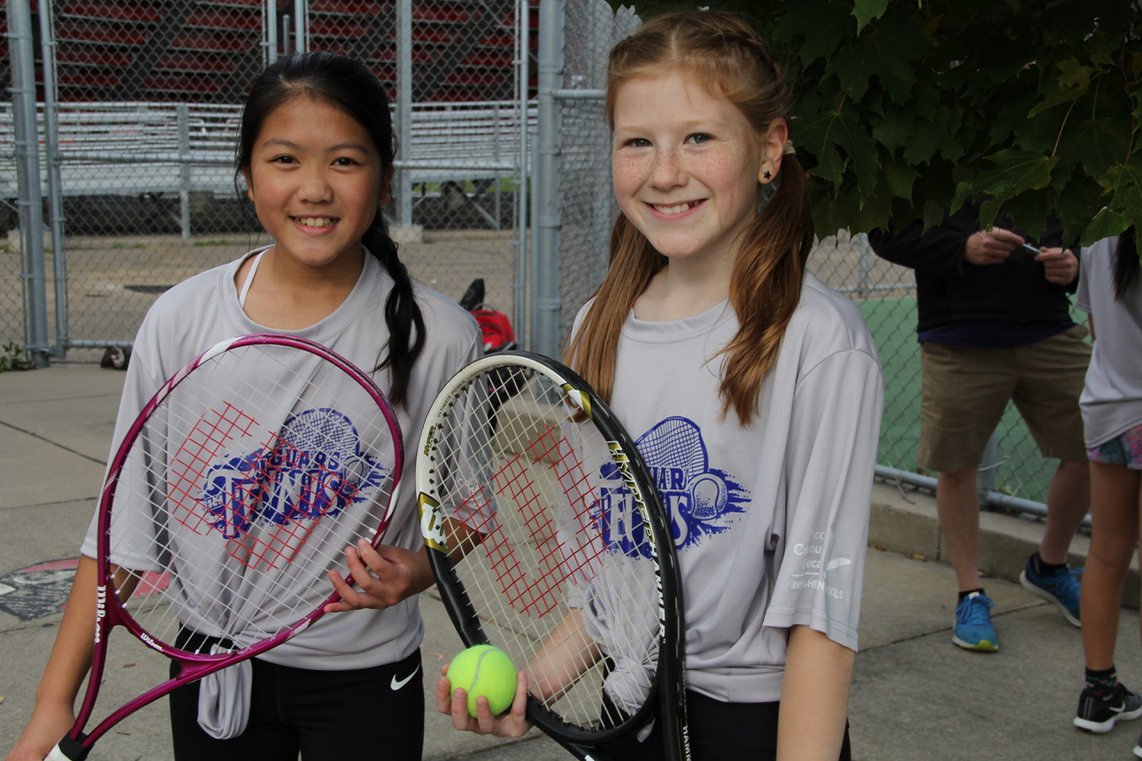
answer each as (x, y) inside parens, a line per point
(701, 500)
(314, 469)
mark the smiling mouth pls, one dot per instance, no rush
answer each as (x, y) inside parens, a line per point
(677, 208)
(315, 221)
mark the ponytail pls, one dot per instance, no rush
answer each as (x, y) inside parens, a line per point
(633, 263)
(765, 288)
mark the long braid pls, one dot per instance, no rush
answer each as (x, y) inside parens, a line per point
(403, 317)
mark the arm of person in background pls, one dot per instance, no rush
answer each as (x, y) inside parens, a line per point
(1060, 265)
(814, 697)
(944, 250)
(1059, 256)
(991, 246)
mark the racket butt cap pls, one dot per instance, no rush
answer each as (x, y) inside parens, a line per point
(68, 749)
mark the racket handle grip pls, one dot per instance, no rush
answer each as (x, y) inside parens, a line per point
(68, 750)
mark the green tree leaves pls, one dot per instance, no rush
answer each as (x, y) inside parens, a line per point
(909, 106)
(1031, 107)
(881, 52)
(867, 10)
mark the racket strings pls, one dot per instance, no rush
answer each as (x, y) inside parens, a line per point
(563, 579)
(242, 490)
(248, 496)
(208, 435)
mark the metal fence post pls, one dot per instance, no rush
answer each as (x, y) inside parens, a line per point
(496, 158)
(182, 120)
(55, 184)
(546, 301)
(522, 197)
(301, 26)
(270, 31)
(864, 265)
(30, 202)
(404, 109)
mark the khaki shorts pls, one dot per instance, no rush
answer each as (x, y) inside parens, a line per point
(966, 391)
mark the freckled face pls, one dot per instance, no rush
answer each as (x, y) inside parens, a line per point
(686, 166)
(316, 181)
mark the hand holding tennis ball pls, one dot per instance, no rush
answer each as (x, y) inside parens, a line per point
(487, 671)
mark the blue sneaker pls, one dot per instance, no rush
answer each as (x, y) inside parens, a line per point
(1062, 589)
(973, 629)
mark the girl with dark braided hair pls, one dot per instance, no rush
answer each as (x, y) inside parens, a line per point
(316, 154)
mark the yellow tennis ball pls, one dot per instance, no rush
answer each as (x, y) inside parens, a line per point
(484, 670)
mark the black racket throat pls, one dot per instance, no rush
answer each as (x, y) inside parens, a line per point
(573, 570)
(74, 748)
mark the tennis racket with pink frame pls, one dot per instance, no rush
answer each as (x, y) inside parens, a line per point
(238, 487)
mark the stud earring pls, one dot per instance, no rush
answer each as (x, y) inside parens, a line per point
(767, 175)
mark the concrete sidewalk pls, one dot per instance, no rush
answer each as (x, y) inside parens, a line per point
(914, 696)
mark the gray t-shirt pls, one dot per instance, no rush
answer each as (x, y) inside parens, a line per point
(771, 519)
(204, 310)
(1112, 396)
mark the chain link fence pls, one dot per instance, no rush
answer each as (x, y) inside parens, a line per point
(587, 202)
(149, 97)
(463, 143)
(886, 296)
(144, 85)
(11, 288)
(884, 292)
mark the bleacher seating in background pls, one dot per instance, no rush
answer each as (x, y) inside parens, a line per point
(208, 51)
(143, 84)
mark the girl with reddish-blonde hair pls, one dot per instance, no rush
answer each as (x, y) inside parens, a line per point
(755, 391)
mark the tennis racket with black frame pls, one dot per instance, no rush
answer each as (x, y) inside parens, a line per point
(548, 540)
(233, 494)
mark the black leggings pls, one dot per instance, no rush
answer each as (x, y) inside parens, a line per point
(324, 715)
(718, 732)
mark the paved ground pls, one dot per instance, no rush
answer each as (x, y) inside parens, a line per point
(915, 695)
(113, 281)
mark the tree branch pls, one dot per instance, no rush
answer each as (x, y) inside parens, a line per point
(1062, 127)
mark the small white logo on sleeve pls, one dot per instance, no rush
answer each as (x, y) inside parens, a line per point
(398, 683)
(816, 567)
